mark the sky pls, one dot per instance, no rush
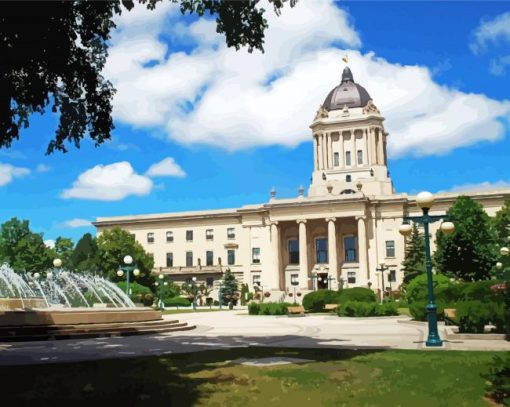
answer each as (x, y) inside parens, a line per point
(201, 126)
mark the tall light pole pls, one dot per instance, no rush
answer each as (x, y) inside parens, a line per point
(128, 268)
(161, 284)
(425, 200)
(294, 284)
(330, 280)
(194, 291)
(314, 278)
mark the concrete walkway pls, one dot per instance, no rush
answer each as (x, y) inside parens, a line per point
(226, 329)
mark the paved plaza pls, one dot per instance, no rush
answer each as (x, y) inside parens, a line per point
(225, 329)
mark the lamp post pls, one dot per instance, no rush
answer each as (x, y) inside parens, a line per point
(128, 268)
(330, 280)
(425, 200)
(505, 251)
(314, 278)
(161, 284)
(382, 268)
(220, 294)
(194, 291)
(294, 284)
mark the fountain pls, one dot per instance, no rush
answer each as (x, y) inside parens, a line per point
(62, 304)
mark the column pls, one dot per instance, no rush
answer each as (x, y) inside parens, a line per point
(315, 158)
(354, 161)
(362, 245)
(341, 152)
(328, 151)
(332, 250)
(366, 159)
(303, 255)
(370, 148)
(380, 150)
(324, 153)
(331, 161)
(276, 279)
(319, 155)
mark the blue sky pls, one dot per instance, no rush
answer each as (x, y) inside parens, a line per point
(232, 125)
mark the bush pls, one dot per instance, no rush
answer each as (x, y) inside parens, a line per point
(367, 309)
(474, 315)
(419, 310)
(499, 380)
(417, 290)
(139, 292)
(270, 308)
(481, 291)
(177, 302)
(357, 294)
(315, 301)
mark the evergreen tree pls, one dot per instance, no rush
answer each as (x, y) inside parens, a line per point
(414, 261)
(229, 287)
(470, 252)
(85, 256)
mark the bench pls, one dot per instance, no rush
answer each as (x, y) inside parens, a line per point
(296, 311)
(330, 307)
(449, 316)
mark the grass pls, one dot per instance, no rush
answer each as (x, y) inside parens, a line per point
(404, 311)
(187, 310)
(334, 378)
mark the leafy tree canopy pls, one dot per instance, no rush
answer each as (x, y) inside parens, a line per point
(470, 252)
(22, 249)
(52, 54)
(114, 245)
(64, 250)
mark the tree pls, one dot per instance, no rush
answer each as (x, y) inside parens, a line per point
(64, 250)
(114, 245)
(22, 249)
(469, 253)
(229, 287)
(414, 260)
(501, 224)
(52, 53)
(85, 256)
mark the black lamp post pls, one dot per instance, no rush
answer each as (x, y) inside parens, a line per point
(382, 268)
(294, 284)
(425, 201)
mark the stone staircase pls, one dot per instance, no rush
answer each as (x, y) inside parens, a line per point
(91, 330)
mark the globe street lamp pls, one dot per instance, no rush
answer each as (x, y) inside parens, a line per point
(220, 293)
(194, 291)
(161, 284)
(128, 268)
(294, 283)
(425, 200)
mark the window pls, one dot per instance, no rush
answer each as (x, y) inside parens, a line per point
(169, 259)
(150, 237)
(351, 277)
(392, 277)
(189, 235)
(231, 233)
(209, 234)
(336, 159)
(294, 279)
(189, 259)
(390, 248)
(321, 250)
(360, 157)
(348, 178)
(231, 257)
(209, 256)
(169, 236)
(293, 251)
(350, 249)
(347, 158)
(256, 280)
(255, 255)
(209, 281)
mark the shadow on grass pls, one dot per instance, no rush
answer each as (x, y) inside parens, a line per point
(153, 380)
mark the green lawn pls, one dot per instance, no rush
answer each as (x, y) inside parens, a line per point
(186, 310)
(404, 311)
(335, 378)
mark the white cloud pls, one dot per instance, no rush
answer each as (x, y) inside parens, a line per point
(77, 223)
(217, 96)
(166, 168)
(49, 243)
(43, 168)
(111, 182)
(8, 172)
(482, 186)
(491, 31)
(498, 65)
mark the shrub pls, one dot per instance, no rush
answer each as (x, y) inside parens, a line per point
(357, 294)
(473, 316)
(419, 310)
(139, 292)
(315, 301)
(481, 291)
(417, 289)
(253, 308)
(450, 293)
(499, 380)
(367, 309)
(177, 302)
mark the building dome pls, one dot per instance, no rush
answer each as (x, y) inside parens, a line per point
(348, 93)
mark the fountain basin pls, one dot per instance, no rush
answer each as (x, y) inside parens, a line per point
(76, 316)
(18, 303)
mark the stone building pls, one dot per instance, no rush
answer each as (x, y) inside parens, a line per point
(336, 235)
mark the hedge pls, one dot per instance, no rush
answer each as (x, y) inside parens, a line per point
(367, 309)
(417, 289)
(357, 294)
(269, 308)
(139, 292)
(419, 310)
(177, 302)
(474, 315)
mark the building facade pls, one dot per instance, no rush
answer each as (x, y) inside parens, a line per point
(335, 236)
